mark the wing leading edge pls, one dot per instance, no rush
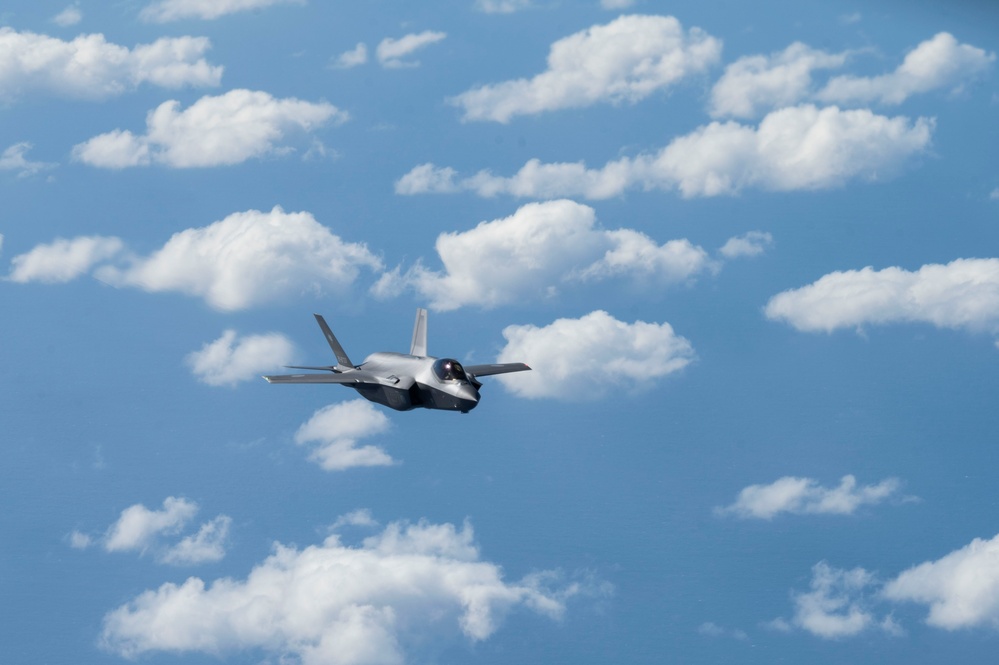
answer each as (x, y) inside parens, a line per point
(501, 368)
(347, 378)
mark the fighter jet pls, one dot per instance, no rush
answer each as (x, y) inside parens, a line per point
(403, 381)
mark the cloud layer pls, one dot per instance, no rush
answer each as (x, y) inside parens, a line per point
(963, 294)
(214, 131)
(332, 603)
(90, 67)
(535, 252)
(794, 148)
(582, 359)
(624, 61)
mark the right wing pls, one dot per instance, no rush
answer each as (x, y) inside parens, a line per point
(502, 368)
(347, 378)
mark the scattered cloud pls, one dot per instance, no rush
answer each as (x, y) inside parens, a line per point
(164, 11)
(214, 131)
(226, 361)
(567, 354)
(804, 496)
(994, 194)
(795, 148)
(63, 260)
(756, 84)
(537, 250)
(247, 259)
(961, 588)
(337, 428)
(963, 294)
(352, 58)
(617, 4)
(142, 530)
(836, 605)
(411, 583)
(391, 52)
(69, 16)
(502, 6)
(89, 67)
(752, 243)
(940, 62)
(625, 60)
(711, 629)
(14, 159)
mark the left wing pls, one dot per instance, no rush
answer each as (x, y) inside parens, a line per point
(502, 368)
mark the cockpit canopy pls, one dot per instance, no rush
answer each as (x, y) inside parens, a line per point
(447, 369)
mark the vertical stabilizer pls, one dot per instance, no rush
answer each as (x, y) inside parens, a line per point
(419, 345)
(341, 355)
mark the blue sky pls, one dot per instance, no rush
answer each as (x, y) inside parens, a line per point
(749, 251)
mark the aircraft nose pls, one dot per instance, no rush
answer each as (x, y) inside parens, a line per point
(468, 394)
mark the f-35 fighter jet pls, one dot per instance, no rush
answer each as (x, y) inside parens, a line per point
(404, 381)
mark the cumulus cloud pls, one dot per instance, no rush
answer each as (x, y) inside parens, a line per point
(63, 260)
(758, 83)
(806, 496)
(352, 58)
(139, 529)
(165, 11)
(567, 354)
(69, 16)
(391, 52)
(247, 259)
(963, 294)
(335, 431)
(333, 603)
(89, 67)
(752, 243)
(939, 62)
(961, 588)
(14, 159)
(214, 131)
(836, 605)
(795, 148)
(230, 360)
(626, 60)
(535, 251)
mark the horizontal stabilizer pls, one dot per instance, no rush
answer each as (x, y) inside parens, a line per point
(346, 378)
(502, 368)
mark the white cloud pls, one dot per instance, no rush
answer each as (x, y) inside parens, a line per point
(616, 4)
(332, 603)
(69, 16)
(248, 258)
(63, 260)
(214, 131)
(585, 358)
(963, 294)
(138, 527)
(994, 194)
(14, 159)
(165, 11)
(352, 58)
(207, 545)
(940, 62)
(835, 607)
(624, 61)
(752, 243)
(711, 629)
(755, 84)
(961, 588)
(89, 67)
(502, 6)
(806, 496)
(226, 361)
(390, 52)
(337, 428)
(538, 249)
(795, 148)
(80, 541)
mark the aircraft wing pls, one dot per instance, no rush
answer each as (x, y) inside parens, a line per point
(347, 378)
(502, 368)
